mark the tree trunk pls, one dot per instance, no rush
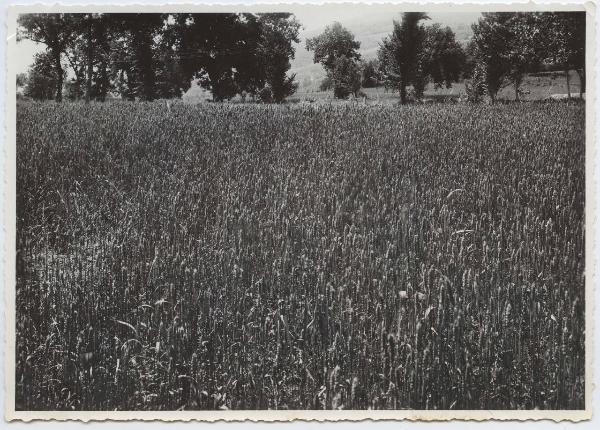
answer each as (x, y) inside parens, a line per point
(90, 66)
(581, 74)
(517, 81)
(59, 76)
(568, 83)
(80, 82)
(143, 65)
(402, 92)
(102, 87)
(131, 86)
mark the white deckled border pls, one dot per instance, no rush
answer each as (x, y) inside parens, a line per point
(9, 203)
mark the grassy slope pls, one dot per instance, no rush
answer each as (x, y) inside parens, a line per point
(299, 256)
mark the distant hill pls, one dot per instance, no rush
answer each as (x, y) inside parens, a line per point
(369, 28)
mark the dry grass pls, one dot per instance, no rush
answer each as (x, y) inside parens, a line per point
(253, 257)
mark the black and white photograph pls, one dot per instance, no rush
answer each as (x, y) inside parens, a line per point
(299, 209)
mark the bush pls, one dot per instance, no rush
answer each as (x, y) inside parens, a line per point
(265, 95)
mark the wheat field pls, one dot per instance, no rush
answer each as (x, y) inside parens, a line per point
(226, 256)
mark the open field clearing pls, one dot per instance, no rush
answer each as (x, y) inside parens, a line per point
(300, 256)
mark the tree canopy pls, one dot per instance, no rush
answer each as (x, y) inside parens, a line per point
(275, 50)
(415, 54)
(144, 56)
(507, 45)
(57, 31)
(337, 50)
(147, 56)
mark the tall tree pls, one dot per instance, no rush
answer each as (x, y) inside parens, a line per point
(474, 74)
(76, 59)
(346, 77)
(102, 36)
(278, 33)
(219, 50)
(443, 58)
(576, 25)
(93, 45)
(335, 49)
(564, 34)
(247, 66)
(170, 78)
(135, 60)
(334, 42)
(41, 80)
(89, 55)
(525, 47)
(508, 45)
(56, 31)
(399, 53)
(490, 36)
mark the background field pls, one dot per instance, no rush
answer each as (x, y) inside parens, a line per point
(536, 87)
(300, 256)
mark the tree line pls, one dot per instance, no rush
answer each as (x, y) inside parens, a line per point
(505, 47)
(144, 56)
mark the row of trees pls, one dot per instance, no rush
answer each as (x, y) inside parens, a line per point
(504, 47)
(145, 56)
(411, 56)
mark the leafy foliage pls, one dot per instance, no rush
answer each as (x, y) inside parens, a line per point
(415, 55)
(219, 50)
(146, 56)
(337, 50)
(565, 40)
(476, 85)
(56, 31)
(275, 50)
(443, 58)
(399, 53)
(88, 55)
(345, 77)
(371, 76)
(335, 42)
(326, 84)
(149, 56)
(41, 82)
(510, 44)
(137, 32)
